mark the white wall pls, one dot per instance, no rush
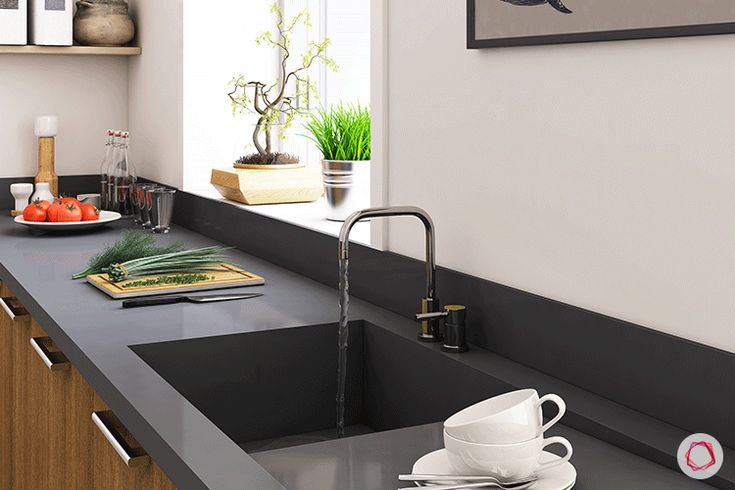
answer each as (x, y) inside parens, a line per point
(156, 93)
(88, 93)
(601, 174)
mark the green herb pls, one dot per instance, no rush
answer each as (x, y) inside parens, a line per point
(134, 244)
(179, 279)
(185, 262)
(342, 132)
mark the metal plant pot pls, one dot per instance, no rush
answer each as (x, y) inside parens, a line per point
(347, 187)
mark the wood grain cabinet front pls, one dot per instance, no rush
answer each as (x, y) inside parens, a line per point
(50, 438)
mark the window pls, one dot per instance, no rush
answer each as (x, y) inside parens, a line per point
(219, 43)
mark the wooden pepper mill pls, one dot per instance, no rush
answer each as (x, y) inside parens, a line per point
(47, 127)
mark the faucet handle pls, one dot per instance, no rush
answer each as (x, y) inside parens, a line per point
(455, 327)
(430, 318)
(454, 331)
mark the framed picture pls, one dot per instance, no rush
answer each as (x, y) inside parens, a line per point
(496, 23)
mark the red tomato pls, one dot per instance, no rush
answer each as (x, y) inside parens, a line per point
(90, 212)
(44, 204)
(34, 212)
(53, 211)
(70, 200)
(69, 212)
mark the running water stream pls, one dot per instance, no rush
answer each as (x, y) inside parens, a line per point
(344, 304)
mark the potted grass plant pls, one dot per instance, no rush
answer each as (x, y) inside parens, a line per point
(342, 135)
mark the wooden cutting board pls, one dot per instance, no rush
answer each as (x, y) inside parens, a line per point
(229, 277)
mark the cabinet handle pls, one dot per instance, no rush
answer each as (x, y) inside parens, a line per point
(106, 422)
(54, 360)
(12, 308)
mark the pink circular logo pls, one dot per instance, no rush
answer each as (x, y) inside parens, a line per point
(700, 456)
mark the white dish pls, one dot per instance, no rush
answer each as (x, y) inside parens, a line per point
(105, 218)
(562, 477)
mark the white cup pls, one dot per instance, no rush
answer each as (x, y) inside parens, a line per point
(505, 419)
(504, 461)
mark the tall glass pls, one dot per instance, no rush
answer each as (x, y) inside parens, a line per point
(162, 209)
(139, 201)
(148, 205)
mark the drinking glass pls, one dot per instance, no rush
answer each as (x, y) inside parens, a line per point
(162, 209)
(139, 203)
(147, 205)
(134, 191)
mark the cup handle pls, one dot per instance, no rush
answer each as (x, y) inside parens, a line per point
(562, 460)
(559, 402)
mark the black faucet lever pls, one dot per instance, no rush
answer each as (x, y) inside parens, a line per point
(455, 326)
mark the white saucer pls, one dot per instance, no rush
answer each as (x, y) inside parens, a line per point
(562, 477)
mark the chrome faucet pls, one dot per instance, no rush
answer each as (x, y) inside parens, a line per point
(430, 316)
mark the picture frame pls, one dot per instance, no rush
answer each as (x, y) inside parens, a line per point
(478, 40)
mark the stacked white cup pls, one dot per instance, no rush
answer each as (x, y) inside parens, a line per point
(504, 436)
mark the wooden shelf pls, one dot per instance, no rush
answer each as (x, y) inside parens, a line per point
(71, 50)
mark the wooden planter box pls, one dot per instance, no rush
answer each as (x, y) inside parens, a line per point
(269, 185)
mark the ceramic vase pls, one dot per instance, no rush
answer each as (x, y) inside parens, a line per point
(103, 23)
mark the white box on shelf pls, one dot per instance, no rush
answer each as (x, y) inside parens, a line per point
(51, 22)
(13, 22)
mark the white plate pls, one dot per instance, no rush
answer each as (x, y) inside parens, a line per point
(562, 477)
(105, 218)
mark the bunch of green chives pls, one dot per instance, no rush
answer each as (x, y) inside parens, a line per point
(187, 261)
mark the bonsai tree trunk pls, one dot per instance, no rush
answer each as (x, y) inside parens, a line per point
(256, 137)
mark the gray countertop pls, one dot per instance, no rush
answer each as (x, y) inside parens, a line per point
(94, 333)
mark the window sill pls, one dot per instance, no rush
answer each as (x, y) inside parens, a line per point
(308, 215)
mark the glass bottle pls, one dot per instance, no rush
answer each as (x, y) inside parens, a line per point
(112, 203)
(105, 169)
(123, 177)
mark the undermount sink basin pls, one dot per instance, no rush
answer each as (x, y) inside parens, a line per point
(277, 388)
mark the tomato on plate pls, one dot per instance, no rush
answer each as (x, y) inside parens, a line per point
(53, 211)
(90, 212)
(70, 200)
(44, 204)
(34, 212)
(69, 212)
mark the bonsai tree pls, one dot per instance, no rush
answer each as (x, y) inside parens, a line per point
(280, 102)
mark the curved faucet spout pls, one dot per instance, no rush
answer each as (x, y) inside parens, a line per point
(430, 329)
(365, 214)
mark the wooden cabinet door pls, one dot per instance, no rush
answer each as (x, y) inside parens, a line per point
(110, 471)
(69, 402)
(30, 466)
(6, 389)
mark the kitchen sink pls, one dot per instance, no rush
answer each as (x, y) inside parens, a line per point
(277, 388)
